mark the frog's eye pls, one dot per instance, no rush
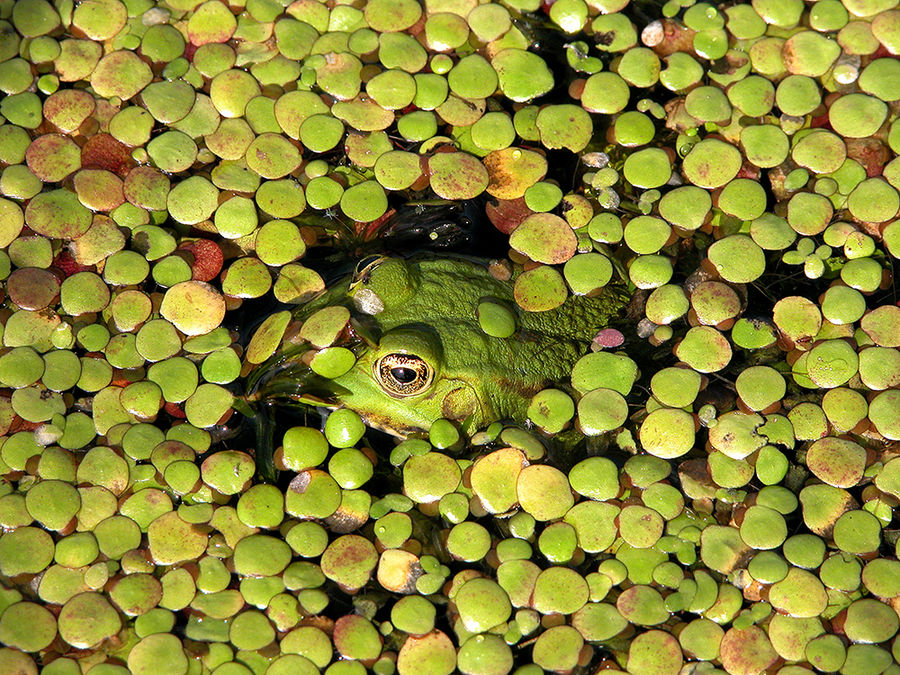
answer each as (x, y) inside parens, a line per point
(403, 374)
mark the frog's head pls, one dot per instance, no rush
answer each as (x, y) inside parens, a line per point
(416, 357)
(399, 383)
(402, 385)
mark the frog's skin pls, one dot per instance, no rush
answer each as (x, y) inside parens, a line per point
(429, 317)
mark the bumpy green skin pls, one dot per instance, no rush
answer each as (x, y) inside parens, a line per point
(430, 310)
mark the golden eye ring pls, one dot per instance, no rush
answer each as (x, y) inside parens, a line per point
(402, 375)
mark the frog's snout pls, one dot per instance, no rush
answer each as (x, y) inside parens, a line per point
(291, 382)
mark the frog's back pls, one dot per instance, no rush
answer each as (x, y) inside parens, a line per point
(452, 287)
(542, 350)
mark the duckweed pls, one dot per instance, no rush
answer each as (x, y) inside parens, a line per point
(713, 486)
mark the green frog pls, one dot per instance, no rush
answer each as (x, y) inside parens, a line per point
(422, 353)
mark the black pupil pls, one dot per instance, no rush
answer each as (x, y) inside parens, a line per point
(403, 375)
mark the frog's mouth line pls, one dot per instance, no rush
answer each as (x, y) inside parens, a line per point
(391, 430)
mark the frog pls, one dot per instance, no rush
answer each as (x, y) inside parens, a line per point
(422, 353)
